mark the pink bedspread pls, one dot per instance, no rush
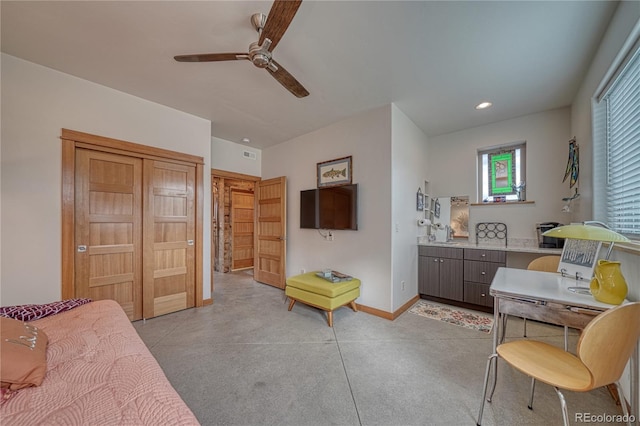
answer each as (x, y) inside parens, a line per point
(99, 372)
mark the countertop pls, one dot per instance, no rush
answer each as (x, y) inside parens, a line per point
(523, 246)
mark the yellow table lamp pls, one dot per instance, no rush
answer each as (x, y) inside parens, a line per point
(608, 285)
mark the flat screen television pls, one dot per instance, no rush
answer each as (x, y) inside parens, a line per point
(330, 208)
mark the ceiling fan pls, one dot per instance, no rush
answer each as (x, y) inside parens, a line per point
(270, 31)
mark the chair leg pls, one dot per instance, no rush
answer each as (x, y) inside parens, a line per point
(566, 338)
(563, 403)
(291, 303)
(484, 388)
(623, 403)
(524, 324)
(533, 388)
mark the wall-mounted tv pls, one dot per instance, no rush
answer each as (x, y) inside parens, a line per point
(330, 208)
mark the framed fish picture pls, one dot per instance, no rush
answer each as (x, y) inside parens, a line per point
(334, 172)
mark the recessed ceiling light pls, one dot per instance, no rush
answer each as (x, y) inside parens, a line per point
(246, 140)
(483, 105)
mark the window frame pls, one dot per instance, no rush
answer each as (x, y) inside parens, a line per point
(604, 202)
(519, 170)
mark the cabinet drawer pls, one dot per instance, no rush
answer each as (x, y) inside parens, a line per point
(486, 255)
(480, 272)
(444, 252)
(478, 294)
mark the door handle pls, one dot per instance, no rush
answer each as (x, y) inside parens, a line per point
(189, 242)
(82, 249)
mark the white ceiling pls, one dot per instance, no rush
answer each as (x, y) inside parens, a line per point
(434, 60)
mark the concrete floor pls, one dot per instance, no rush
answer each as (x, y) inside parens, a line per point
(246, 360)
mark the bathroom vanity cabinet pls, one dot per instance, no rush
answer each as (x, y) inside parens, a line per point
(440, 272)
(458, 274)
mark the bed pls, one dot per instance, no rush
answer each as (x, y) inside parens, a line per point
(98, 371)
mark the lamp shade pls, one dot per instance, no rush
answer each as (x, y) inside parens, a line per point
(585, 232)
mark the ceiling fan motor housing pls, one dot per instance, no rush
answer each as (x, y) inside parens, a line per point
(260, 55)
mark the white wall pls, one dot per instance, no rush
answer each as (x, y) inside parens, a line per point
(365, 253)
(627, 16)
(625, 21)
(37, 102)
(452, 169)
(408, 164)
(228, 156)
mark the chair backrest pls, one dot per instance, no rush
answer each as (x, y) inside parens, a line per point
(607, 342)
(545, 264)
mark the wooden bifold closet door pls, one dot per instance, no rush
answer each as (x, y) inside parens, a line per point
(132, 225)
(169, 236)
(109, 229)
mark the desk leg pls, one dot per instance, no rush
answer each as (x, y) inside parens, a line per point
(496, 337)
(493, 360)
(635, 410)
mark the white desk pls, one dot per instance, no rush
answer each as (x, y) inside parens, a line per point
(544, 296)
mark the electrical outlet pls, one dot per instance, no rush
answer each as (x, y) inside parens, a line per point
(302, 271)
(402, 285)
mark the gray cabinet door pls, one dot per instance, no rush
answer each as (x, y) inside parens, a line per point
(452, 279)
(429, 276)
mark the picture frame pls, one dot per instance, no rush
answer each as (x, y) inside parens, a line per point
(419, 200)
(336, 172)
(579, 258)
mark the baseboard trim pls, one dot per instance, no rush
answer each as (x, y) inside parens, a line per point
(208, 301)
(406, 306)
(376, 312)
(388, 315)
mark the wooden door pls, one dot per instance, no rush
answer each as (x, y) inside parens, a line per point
(271, 229)
(108, 229)
(169, 238)
(242, 219)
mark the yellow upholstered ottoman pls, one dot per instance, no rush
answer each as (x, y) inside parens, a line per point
(315, 291)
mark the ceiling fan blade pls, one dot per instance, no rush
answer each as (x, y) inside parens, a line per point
(288, 81)
(280, 16)
(211, 57)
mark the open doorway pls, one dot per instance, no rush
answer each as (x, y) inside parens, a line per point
(233, 218)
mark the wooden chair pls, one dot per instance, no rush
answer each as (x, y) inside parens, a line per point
(603, 351)
(545, 264)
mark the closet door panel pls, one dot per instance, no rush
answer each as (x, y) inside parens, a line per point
(108, 229)
(169, 238)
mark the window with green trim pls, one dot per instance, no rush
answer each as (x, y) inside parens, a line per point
(502, 173)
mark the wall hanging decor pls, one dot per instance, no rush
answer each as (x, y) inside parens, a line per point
(334, 172)
(573, 163)
(419, 200)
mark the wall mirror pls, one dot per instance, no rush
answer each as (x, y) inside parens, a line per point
(459, 216)
(454, 213)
